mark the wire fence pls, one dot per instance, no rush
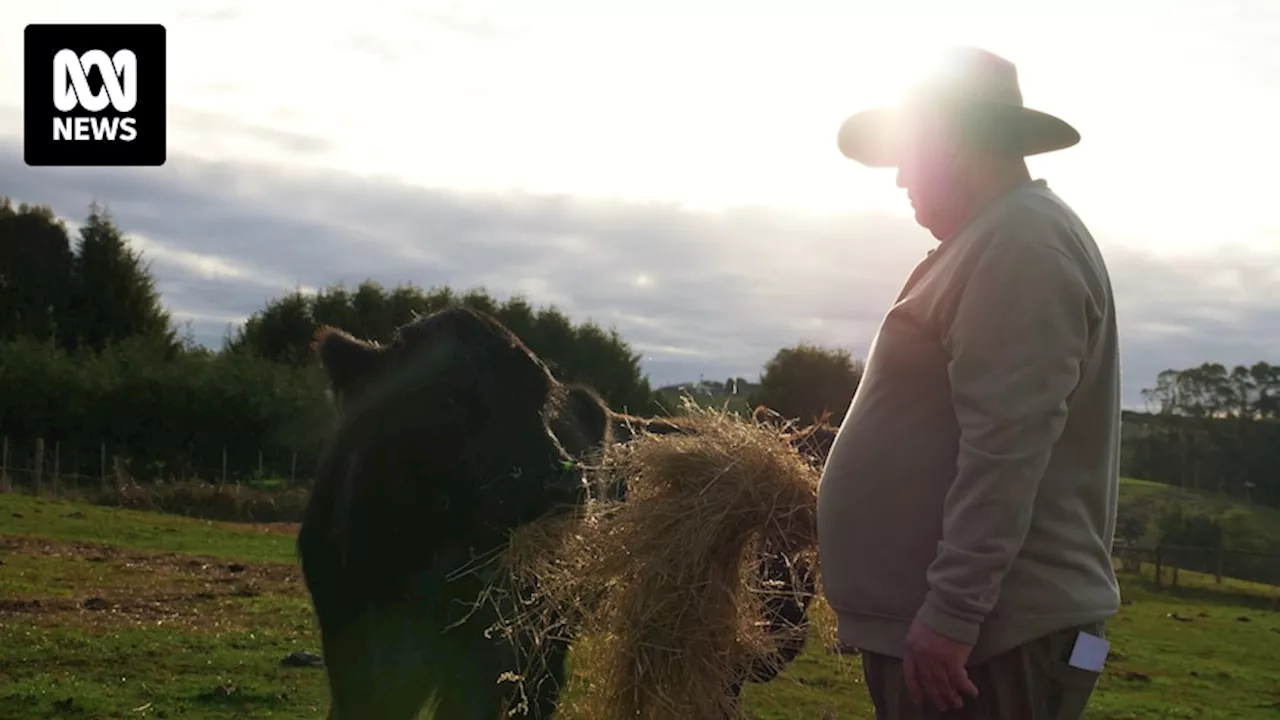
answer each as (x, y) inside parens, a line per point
(253, 492)
(1164, 562)
(47, 468)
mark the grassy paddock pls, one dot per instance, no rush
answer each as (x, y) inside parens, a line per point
(274, 501)
(267, 501)
(115, 613)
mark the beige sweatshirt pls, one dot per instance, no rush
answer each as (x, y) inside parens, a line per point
(974, 480)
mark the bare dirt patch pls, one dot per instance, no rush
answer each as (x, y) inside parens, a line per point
(92, 584)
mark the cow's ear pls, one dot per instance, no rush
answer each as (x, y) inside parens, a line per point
(345, 359)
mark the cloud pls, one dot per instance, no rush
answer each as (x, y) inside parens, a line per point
(698, 293)
(216, 135)
(217, 15)
(469, 22)
(203, 127)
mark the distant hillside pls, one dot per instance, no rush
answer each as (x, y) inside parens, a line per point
(712, 388)
(733, 394)
(1141, 499)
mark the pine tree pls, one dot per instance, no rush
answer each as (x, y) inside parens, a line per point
(114, 296)
(35, 269)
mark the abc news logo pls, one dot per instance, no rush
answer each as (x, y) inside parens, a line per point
(71, 90)
(107, 105)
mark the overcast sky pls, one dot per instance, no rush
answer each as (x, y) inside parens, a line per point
(672, 171)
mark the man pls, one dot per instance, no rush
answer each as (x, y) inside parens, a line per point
(967, 508)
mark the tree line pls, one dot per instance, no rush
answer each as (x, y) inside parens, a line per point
(89, 355)
(92, 363)
(583, 352)
(1210, 428)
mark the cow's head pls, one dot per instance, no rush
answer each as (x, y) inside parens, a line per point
(450, 419)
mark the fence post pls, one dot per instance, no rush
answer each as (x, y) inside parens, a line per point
(39, 469)
(102, 465)
(261, 476)
(4, 466)
(1159, 567)
(224, 466)
(1217, 568)
(293, 469)
(57, 468)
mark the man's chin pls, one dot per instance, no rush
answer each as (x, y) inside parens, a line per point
(923, 220)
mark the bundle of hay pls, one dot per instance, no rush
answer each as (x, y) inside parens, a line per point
(661, 592)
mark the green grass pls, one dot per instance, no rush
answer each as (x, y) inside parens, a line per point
(139, 615)
(32, 517)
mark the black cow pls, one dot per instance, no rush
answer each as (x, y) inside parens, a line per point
(448, 438)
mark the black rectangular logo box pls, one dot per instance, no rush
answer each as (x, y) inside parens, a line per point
(94, 95)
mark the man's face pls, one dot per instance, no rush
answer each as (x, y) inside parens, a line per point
(930, 170)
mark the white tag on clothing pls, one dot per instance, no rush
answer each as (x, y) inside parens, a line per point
(1089, 653)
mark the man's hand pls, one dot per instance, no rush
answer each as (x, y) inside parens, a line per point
(934, 667)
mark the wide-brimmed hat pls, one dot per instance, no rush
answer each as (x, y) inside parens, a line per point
(971, 85)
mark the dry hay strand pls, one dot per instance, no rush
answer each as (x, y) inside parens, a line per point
(662, 593)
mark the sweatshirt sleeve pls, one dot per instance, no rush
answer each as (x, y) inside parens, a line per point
(1016, 344)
